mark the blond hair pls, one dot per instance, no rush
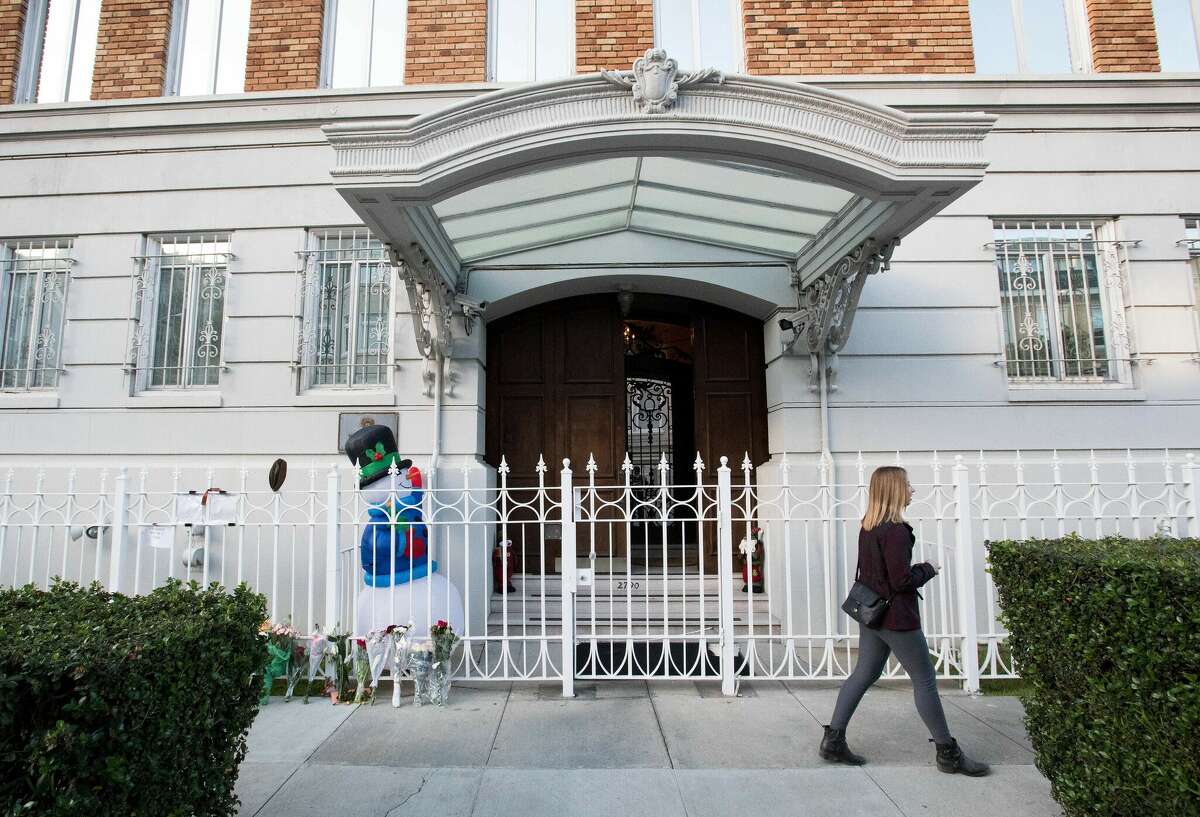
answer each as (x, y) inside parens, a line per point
(887, 496)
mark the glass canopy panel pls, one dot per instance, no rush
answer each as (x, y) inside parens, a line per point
(804, 225)
(724, 203)
(560, 231)
(712, 232)
(529, 214)
(541, 184)
(746, 181)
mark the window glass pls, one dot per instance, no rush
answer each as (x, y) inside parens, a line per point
(68, 51)
(214, 47)
(1024, 37)
(180, 311)
(532, 39)
(512, 20)
(699, 33)
(1047, 47)
(367, 43)
(1053, 302)
(33, 294)
(347, 295)
(994, 38)
(1178, 35)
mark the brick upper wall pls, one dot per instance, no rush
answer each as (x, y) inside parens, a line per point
(12, 27)
(131, 55)
(284, 48)
(612, 35)
(447, 41)
(858, 37)
(1123, 35)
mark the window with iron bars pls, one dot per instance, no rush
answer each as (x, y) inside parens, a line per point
(179, 311)
(345, 311)
(1062, 302)
(34, 276)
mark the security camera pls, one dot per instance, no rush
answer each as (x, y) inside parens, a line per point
(470, 306)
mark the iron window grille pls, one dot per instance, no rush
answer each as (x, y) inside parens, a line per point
(34, 277)
(208, 47)
(178, 322)
(1177, 25)
(364, 43)
(1062, 302)
(1030, 36)
(344, 300)
(531, 40)
(59, 51)
(701, 33)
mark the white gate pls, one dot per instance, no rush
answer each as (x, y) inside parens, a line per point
(604, 581)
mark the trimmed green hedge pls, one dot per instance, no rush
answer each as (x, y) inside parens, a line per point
(119, 705)
(1107, 634)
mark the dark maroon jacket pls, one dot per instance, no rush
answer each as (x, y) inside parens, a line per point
(901, 579)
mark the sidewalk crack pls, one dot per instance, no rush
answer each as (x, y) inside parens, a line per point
(884, 792)
(421, 785)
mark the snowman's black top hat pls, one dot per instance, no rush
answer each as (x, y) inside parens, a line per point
(373, 450)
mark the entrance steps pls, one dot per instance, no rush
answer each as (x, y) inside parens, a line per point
(618, 607)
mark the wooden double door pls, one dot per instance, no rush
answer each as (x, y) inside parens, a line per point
(557, 387)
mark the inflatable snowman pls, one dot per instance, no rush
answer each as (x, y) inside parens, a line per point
(400, 579)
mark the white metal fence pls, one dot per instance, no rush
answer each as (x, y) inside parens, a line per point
(602, 580)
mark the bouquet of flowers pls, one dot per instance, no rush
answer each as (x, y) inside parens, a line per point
(322, 659)
(444, 638)
(337, 674)
(281, 643)
(362, 669)
(391, 643)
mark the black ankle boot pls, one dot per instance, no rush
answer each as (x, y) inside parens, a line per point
(834, 748)
(951, 760)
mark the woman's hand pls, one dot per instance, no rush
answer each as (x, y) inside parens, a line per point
(937, 568)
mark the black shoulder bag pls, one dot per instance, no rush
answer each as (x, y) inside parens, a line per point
(863, 604)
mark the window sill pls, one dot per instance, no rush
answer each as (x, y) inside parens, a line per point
(1075, 394)
(28, 399)
(173, 399)
(346, 397)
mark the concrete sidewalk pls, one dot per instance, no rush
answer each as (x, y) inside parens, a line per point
(659, 749)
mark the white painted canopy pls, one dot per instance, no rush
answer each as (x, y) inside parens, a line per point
(770, 168)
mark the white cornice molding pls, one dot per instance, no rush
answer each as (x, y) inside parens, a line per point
(764, 113)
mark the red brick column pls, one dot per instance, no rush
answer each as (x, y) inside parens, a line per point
(858, 37)
(447, 41)
(131, 54)
(612, 35)
(1123, 36)
(284, 48)
(12, 27)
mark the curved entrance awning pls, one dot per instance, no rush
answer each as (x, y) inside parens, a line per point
(819, 182)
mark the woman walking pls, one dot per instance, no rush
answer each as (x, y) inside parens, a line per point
(885, 546)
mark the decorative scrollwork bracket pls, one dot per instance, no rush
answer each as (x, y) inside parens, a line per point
(430, 299)
(826, 307)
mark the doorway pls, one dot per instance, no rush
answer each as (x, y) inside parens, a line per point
(657, 377)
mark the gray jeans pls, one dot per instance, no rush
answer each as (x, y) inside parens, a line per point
(910, 648)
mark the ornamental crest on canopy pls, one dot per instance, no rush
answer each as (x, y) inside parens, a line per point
(655, 80)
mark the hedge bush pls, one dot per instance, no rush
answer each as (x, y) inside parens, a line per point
(1107, 635)
(119, 705)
